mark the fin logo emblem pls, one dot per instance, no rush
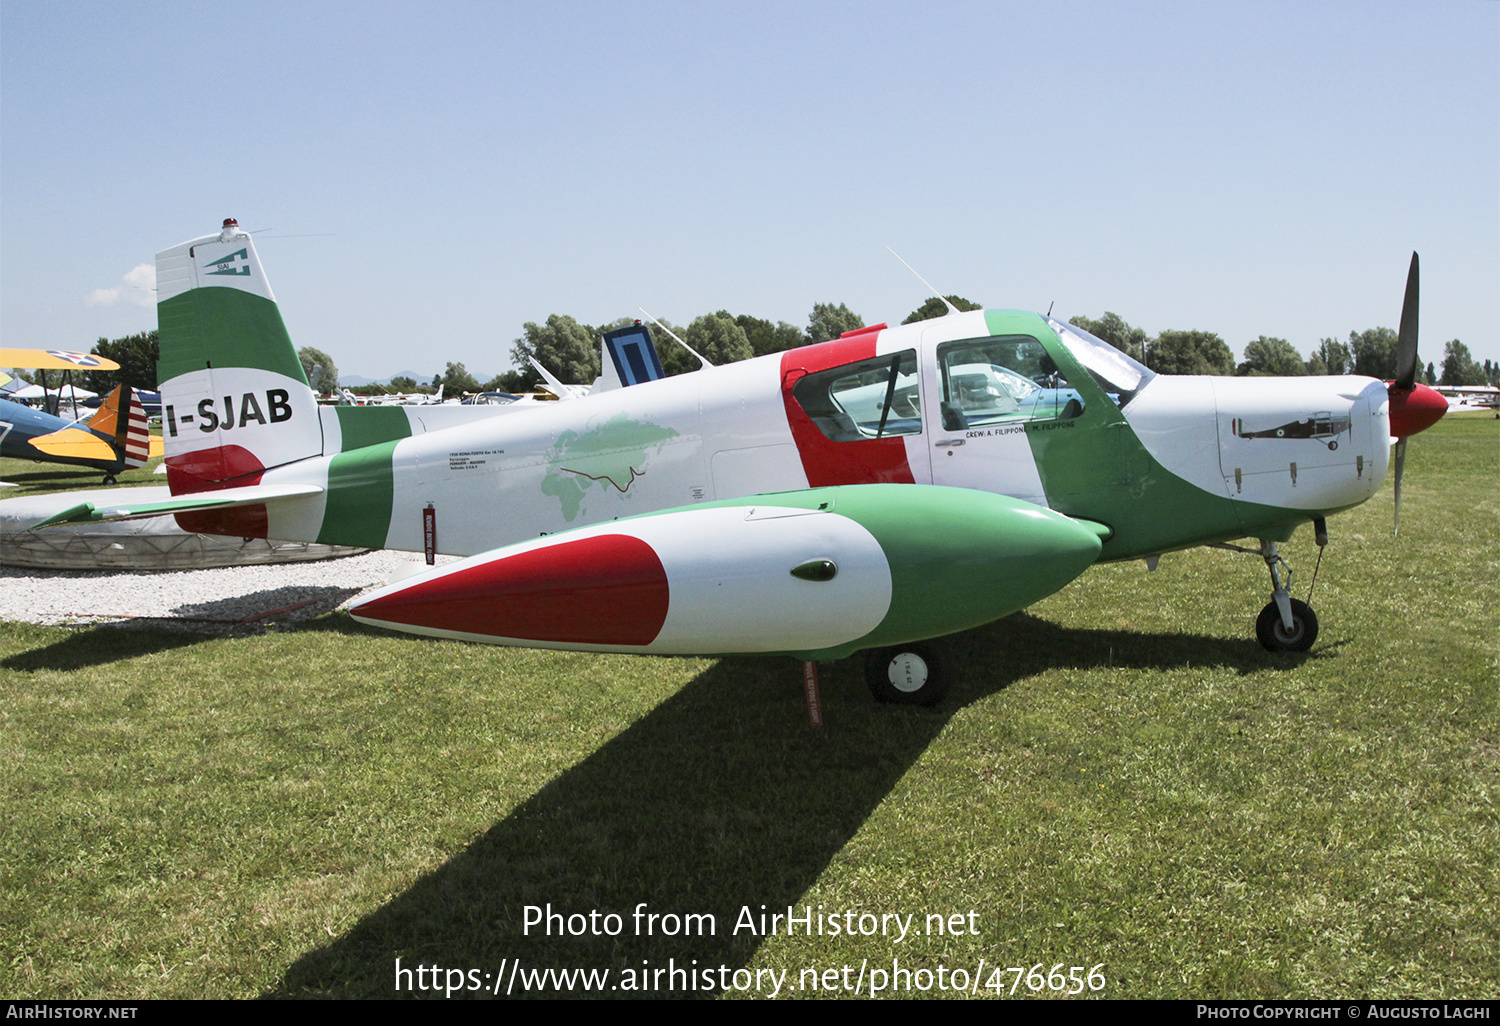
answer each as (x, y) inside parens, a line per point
(278, 408)
(237, 262)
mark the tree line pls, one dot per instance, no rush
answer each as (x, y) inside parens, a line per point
(1371, 353)
(570, 350)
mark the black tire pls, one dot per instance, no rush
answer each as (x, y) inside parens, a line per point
(908, 674)
(1273, 635)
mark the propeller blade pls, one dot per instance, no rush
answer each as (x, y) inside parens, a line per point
(1406, 343)
(1400, 466)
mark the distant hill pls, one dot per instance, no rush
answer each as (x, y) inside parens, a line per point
(355, 380)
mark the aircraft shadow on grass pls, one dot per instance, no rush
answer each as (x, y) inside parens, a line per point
(98, 646)
(691, 811)
(261, 606)
(189, 624)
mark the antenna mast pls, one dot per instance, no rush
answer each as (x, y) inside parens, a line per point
(701, 359)
(924, 281)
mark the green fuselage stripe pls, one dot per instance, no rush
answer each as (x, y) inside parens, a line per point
(371, 425)
(1094, 466)
(361, 494)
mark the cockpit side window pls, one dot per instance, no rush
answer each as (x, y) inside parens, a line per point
(876, 398)
(1004, 379)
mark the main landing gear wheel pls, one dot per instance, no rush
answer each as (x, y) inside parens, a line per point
(1274, 635)
(908, 674)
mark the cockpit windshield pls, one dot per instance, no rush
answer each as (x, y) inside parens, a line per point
(1115, 372)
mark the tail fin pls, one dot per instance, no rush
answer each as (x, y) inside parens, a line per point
(122, 418)
(107, 418)
(235, 400)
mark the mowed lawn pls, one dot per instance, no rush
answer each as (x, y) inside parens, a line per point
(1122, 780)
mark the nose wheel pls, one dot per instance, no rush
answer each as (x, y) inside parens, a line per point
(1287, 624)
(1273, 632)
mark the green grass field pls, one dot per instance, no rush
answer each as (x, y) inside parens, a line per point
(1122, 776)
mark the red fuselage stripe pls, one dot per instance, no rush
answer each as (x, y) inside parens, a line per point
(826, 462)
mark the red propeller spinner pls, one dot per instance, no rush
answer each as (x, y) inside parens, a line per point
(1415, 409)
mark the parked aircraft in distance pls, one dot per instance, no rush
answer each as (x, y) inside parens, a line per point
(114, 439)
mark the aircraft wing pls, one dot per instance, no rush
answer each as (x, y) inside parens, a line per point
(55, 359)
(90, 512)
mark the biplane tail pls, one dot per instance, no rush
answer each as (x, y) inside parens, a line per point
(122, 418)
(115, 438)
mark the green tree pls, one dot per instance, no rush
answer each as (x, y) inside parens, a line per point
(1331, 357)
(766, 337)
(934, 308)
(321, 373)
(828, 321)
(455, 381)
(402, 383)
(566, 348)
(136, 355)
(1429, 378)
(1272, 356)
(1459, 367)
(512, 381)
(1190, 352)
(1374, 352)
(718, 338)
(1113, 329)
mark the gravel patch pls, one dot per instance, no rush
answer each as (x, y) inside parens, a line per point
(224, 600)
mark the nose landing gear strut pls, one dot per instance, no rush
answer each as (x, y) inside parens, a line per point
(1287, 624)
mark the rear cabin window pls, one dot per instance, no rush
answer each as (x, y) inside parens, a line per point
(1002, 380)
(875, 398)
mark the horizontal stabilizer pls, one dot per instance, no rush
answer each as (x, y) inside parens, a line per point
(228, 498)
(76, 443)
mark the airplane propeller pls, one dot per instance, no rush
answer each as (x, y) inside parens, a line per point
(1413, 406)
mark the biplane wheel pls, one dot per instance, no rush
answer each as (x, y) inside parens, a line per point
(109, 479)
(908, 674)
(1273, 635)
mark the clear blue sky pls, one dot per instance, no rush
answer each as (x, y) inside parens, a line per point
(433, 176)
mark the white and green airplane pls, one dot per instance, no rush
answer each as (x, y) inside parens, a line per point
(870, 492)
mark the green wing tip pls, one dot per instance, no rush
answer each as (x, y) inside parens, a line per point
(80, 513)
